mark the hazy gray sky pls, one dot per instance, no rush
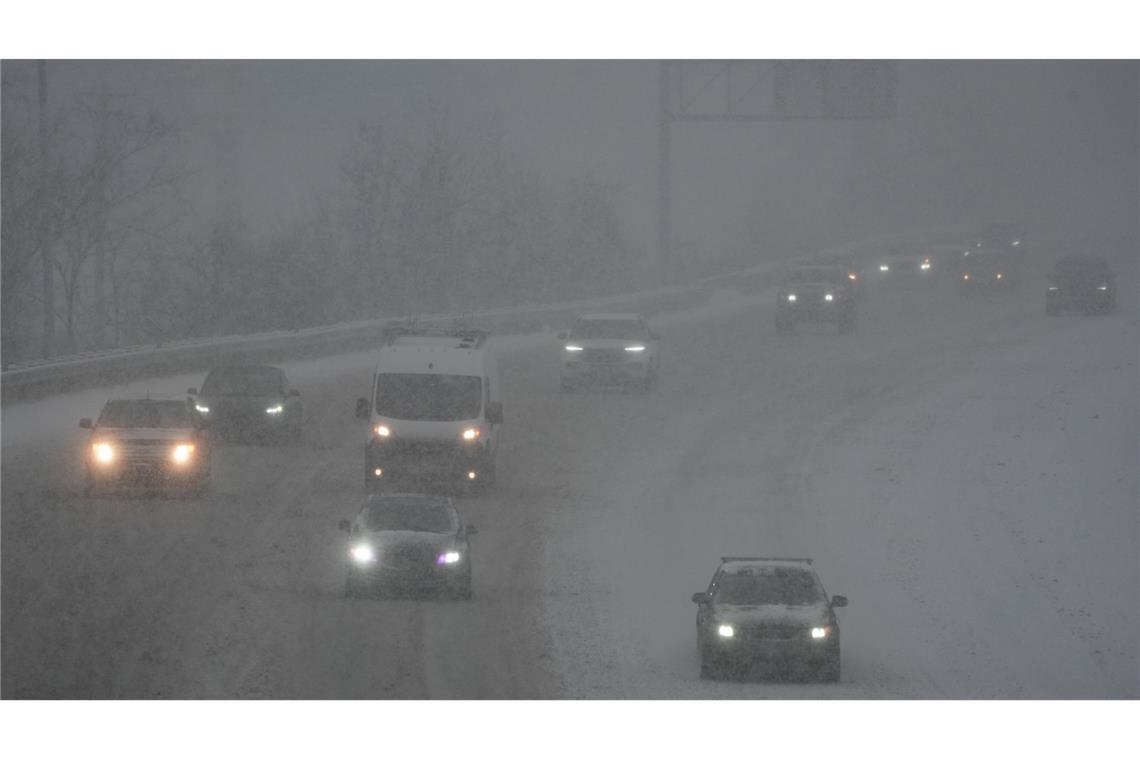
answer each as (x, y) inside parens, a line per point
(1049, 142)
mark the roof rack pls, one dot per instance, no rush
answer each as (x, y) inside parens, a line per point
(469, 337)
(766, 559)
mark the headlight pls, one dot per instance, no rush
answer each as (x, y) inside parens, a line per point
(275, 409)
(924, 265)
(447, 558)
(104, 452)
(998, 275)
(363, 554)
(471, 434)
(1102, 287)
(852, 276)
(726, 631)
(791, 297)
(201, 409)
(1016, 242)
(884, 267)
(820, 632)
(635, 348)
(182, 453)
(573, 348)
(828, 297)
(1052, 288)
(382, 431)
(965, 277)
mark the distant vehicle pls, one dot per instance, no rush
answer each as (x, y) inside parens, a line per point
(1081, 282)
(904, 266)
(610, 349)
(855, 270)
(773, 611)
(146, 444)
(245, 400)
(408, 542)
(989, 269)
(1001, 234)
(434, 412)
(816, 294)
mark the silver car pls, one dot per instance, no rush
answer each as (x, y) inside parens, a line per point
(610, 349)
(408, 542)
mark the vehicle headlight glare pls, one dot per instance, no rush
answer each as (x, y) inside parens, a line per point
(363, 554)
(819, 632)
(104, 453)
(828, 297)
(1052, 288)
(1102, 287)
(791, 297)
(275, 409)
(182, 453)
(1016, 242)
(447, 558)
(471, 434)
(999, 275)
(884, 267)
(726, 631)
(852, 276)
(924, 265)
(573, 348)
(383, 431)
(635, 348)
(201, 409)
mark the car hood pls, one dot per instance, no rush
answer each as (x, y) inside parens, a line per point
(608, 342)
(392, 539)
(152, 434)
(240, 402)
(773, 614)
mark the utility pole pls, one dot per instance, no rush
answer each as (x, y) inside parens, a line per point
(46, 256)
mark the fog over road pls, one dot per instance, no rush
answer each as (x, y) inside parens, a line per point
(963, 468)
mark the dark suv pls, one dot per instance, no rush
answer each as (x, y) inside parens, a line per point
(767, 610)
(146, 444)
(249, 400)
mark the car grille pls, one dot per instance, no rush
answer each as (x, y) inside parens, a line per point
(773, 632)
(410, 561)
(423, 449)
(144, 449)
(604, 355)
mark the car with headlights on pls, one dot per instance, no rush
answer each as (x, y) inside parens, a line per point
(816, 294)
(610, 349)
(989, 269)
(408, 542)
(1080, 282)
(767, 611)
(249, 401)
(904, 266)
(147, 444)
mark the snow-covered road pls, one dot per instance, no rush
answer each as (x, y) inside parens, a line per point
(964, 469)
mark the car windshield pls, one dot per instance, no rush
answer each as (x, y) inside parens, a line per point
(993, 261)
(808, 276)
(777, 585)
(1080, 267)
(244, 381)
(614, 329)
(408, 515)
(428, 397)
(145, 414)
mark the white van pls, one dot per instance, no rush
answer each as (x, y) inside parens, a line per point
(435, 410)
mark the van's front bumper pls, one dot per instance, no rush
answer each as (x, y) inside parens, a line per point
(385, 460)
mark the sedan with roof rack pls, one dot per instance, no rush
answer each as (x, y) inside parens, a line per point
(770, 611)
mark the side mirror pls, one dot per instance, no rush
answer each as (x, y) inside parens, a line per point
(838, 601)
(192, 391)
(294, 392)
(85, 423)
(472, 530)
(563, 335)
(495, 412)
(701, 598)
(363, 409)
(344, 525)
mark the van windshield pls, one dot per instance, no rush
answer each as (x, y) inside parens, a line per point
(437, 398)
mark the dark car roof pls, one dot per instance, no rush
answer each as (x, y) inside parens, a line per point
(1080, 263)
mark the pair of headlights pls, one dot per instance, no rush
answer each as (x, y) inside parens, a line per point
(829, 297)
(105, 453)
(726, 631)
(272, 411)
(364, 554)
(468, 434)
(573, 348)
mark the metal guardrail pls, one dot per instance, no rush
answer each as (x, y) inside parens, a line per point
(42, 378)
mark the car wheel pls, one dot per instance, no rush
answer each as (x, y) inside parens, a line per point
(830, 671)
(88, 486)
(462, 592)
(1050, 308)
(352, 588)
(566, 386)
(709, 669)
